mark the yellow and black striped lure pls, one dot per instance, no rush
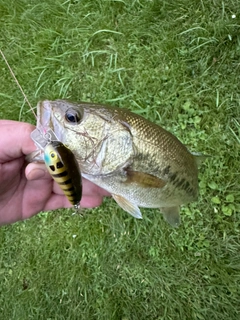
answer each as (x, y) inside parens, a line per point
(64, 169)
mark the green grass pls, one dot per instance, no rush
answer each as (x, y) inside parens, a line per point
(177, 64)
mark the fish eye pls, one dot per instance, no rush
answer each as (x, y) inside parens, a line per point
(73, 116)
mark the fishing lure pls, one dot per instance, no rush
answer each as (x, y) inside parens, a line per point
(61, 164)
(64, 169)
(59, 160)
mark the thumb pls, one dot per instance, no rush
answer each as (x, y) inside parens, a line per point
(35, 171)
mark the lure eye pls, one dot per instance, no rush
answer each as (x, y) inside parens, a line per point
(73, 116)
(52, 155)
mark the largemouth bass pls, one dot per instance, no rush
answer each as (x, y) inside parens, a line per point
(137, 161)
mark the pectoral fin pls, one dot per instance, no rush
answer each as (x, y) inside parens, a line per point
(145, 180)
(127, 206)
(171, 215)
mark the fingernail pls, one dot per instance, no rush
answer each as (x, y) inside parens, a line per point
(36, 174)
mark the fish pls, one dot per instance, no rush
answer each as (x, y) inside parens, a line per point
(64, 169)
(137, 161)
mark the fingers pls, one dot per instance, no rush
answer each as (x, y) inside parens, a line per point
(16, 140)
(38, 196)
(35, 171)
(92, 194)
(90, 201)
(38, 171)
(90, 188)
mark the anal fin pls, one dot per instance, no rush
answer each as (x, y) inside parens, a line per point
(171, 215)
(127, 206)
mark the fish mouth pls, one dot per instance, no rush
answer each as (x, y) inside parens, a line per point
(46, 119)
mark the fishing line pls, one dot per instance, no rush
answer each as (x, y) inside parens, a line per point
(18, 84)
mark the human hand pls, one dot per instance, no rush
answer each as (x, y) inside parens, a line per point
(26, 189)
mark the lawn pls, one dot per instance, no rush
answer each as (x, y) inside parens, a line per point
(177, 63)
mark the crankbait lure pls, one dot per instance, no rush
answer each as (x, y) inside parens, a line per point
(64, 169)
(61, 164)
